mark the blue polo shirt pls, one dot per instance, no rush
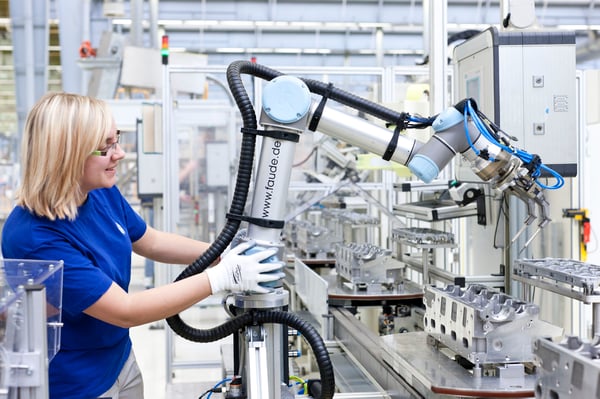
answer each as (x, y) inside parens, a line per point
(96, 250)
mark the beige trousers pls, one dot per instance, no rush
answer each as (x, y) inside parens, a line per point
(129, 384)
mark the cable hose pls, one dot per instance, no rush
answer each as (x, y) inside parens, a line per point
(321, 88)
(245, 106)
(245, 166)
(276, 317)
(238, 202)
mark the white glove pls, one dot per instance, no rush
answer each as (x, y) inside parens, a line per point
(237, 272)
(239, 238)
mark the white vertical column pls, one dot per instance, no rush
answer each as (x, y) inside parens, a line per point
(74, 27)
(436, 15)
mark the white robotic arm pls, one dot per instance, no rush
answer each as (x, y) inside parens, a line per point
(458, 130)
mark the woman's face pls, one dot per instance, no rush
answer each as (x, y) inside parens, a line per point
(100, 170)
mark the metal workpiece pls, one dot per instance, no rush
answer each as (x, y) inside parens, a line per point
(423, 236)
(289, 234)
(313, 241)
(575, 273)
(340, 216)
(418, 247)
(435, 210)
(357, 218)
(566, 277)
(317, 239)
(567, 369)
(356, 226)
(435, 375)
(407, 366)
(482, 325)
(367, 265)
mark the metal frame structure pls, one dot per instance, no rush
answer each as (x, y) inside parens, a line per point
(386, 80)
(30, 334)
(170, 197)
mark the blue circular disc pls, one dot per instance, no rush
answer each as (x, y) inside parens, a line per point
(286, 99)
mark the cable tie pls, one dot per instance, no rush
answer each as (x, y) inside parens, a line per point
(393, 144)
(267, 223)
(274, 134)
(314, 122)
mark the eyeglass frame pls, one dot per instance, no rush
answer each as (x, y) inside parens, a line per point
(112, 146)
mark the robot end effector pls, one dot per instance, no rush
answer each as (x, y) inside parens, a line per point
(462, 129)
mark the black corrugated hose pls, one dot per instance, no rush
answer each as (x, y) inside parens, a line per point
(234, 72)
(309, 333)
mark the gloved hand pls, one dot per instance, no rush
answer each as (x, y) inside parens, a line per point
(239, 238)
(237, 272)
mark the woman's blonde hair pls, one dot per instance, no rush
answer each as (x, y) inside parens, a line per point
(61, 131)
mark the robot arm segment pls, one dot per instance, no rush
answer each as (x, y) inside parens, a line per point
(364, 134)
(458, 130)
(455, 133)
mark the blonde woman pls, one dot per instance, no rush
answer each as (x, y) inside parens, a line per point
(68, 208)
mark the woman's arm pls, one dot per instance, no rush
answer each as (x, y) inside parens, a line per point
(126, 310)
(237, 271)
(168, 247)
(132, 309)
